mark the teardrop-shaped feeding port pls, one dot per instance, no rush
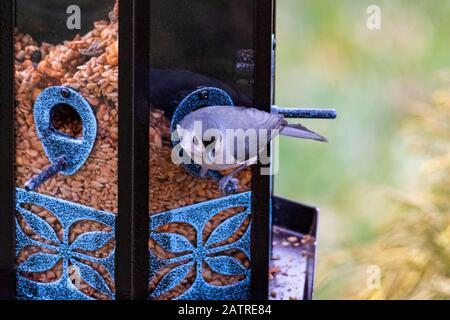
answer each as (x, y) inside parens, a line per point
(66, 120)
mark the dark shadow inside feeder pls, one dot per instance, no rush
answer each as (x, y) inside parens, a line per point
(66, 120)
(46, 20)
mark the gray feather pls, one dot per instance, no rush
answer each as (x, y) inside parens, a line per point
(299, 131)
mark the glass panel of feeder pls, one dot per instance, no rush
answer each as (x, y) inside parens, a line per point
(201, 54)
(66, 86)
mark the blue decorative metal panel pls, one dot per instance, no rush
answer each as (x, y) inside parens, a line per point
(67, 154)
(56, 145)
(69, 251)
(212, 251)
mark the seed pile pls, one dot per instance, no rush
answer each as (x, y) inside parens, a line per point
(96, 78)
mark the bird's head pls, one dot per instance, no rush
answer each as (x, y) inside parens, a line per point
(201, 145)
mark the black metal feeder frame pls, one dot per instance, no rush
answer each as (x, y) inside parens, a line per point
(233, 42)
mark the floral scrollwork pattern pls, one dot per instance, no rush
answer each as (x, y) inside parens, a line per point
(84, 256)
(182, 258)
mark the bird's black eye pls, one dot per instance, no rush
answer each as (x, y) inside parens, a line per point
(195, 140)
(210, 142)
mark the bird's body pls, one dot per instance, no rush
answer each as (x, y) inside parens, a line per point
(224, 137)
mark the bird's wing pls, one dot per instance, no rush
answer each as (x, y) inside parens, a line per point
(241, 118)
(257, 119)
(250, 119)
(272, 123)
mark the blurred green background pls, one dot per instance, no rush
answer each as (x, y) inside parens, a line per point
(327, 57)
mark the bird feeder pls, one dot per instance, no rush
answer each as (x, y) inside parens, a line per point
(92, 205)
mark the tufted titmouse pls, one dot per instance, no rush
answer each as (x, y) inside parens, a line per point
(223, 137)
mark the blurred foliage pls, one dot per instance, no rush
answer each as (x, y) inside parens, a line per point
(327, 57)
(413, 248)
